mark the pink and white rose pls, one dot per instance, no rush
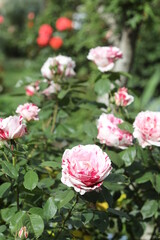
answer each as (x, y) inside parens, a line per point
(104, 57)
(53, 88)
(84, 167)
(61, 65)
(110, 134)
(147, 128)
(122, 98)
(28, 111)
(12, 128)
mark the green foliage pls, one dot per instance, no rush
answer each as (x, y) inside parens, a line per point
(128, 156)
(30, 180)
(149, 208)
(31, 191)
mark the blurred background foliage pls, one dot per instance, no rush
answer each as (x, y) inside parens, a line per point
(96, 23)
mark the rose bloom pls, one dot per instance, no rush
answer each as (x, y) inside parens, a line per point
(53, 88)
(122, 98)
(85, 167)
(104, 57)
(147, 128)
(28, 111)
(30, 90)
(43, 40)
(63, 24)
(12, 128)
(61, 65)
(1, 19)
(110, 134)
(45, 29)
(56, 42)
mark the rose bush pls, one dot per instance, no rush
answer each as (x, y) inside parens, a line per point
(33, 198)
(56, 181)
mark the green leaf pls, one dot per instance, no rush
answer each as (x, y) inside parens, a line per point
(9, 169)
(2, 228)
(37, 224)
(4, 188)
(17, 221)
(118, 213)
(128, 156)
(148, 176)
(87, 217)
(45, 183)
(149, 208)
(90, 129)
(64, 197)
(126, 126)
(63, 93)
(116, 178)
(102, 86)
(125, 74)
(51, 164)
(156, 182)
(115, 182)
(150, 88)
(30, 180)
(37, 211)
(8, 213)
(113, 186)
(49, 209)
(115, 158)
(34, 224)
(2, 237)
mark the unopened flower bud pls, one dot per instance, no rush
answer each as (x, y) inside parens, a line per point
(23, 233)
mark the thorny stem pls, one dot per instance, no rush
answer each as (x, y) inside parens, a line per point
(67, 217)
(5, 156)
(14, 160)
(54, 117)
(17, 197)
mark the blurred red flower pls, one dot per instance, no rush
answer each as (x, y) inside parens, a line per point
(45, 29)
(1, 19)
(56, 42)
(31, 15)
(43, 40)
(63, 24)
